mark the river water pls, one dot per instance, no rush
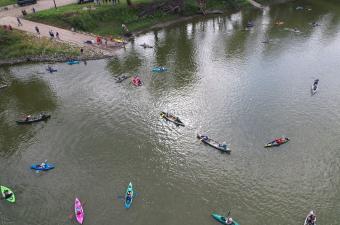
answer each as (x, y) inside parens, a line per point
(222, 80)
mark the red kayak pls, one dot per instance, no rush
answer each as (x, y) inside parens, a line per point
(137, 81)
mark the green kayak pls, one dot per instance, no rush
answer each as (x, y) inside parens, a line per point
(222, 219)
(3, 189)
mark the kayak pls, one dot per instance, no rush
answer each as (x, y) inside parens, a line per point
(47, 166)
(3, 189)
(306, 220)
(137, 81)
(72, 62)
(159, 69)
(121, 79)
(275, 144)
(119, 40)
(172, 118)
(314, 88)
(128, 202)
(79, 211)
(222, 219)
(206, 140)
(34, 119)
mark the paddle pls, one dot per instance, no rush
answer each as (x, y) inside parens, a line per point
(37, 171)
(72, 214)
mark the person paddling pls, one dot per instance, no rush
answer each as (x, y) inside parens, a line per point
(7, 194)
(311, 219)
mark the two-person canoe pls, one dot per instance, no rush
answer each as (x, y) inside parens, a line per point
(121, 78)
(3, 189)
(275, 144)
(128, 198)
(222, 219)
(79, 211)
(206, 140)
(172, 118)
(33, 119)
(308, 222)
(46, 167)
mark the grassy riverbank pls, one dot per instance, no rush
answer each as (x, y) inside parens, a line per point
(7, 2)
(14, 44)
(107, 19)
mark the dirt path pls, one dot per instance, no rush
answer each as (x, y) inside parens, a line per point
(65, 35)
(14, 10)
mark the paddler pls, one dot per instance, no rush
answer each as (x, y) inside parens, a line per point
(229, 221)
(7, 194)
(311, 219)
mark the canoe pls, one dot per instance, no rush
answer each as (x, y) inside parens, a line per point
(172, 118)
(3, 86)
(306, 220)
(222, 219)
(159, 69)
(206, 140)
(34, 119)
(275, 144)
(128, 202)
(47, 166)
(135, 81)
(72, 62)
(3, 189)
(79, 208)
(121, 79)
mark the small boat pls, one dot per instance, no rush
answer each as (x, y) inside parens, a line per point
(172, 118)
(119, 40)
(275, 143)
(314, 87)
(3, 86)
(306, 220)
(121, 79)
(72, 62)
(129, 196)
(46, 167)
(222, 219)
(146, 45)
(3, 189)
(33, 119)
(137, 81)
(159, 69)
(206, 140)
(79, 211)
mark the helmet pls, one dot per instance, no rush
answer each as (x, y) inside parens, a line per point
(230, 219)
(311, 212)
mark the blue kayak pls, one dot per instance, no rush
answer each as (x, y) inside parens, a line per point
(159, 69)
(222, 219)
(129, 196)
(72, 62)
(51, 70)
(47, 166)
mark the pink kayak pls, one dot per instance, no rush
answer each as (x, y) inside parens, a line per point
(78, 210)
(137, 81)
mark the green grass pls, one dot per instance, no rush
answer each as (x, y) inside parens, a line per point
(15, 44)
(7, 2)
(107, 19)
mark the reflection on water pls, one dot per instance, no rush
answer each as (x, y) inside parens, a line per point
(222, 80)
